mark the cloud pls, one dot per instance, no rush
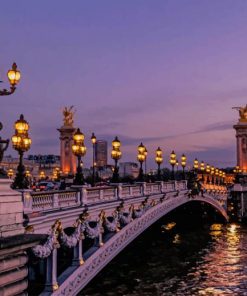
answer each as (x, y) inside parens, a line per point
(220, 126)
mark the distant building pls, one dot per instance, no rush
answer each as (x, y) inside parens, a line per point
(44, 159)
(101, 153)
(128, 169)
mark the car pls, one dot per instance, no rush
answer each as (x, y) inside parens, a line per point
(45, 186)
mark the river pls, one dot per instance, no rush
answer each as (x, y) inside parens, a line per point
(178, 258)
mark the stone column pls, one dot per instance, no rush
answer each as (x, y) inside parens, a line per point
(51, 272)
(241, 135)
(77, 254)
(68, 160)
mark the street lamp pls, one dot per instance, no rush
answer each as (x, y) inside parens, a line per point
(42, 175)
(216, 175)
(28, 174)
(220, 176)
(173, 160)
(202, 168)
(196, 164)
(93, 140)
(21, 143)
(116, 155)
(212, 173)
(10, 173)
(208, 170)
(14, 77)
(183, 163)
(79, 150)
(141, 158)
(159, 160)
(146, 154)
(224, 178)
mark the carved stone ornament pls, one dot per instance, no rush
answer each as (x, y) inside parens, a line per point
(68, 113)
(242, 113)
(44, 251)
(111, 223)
(71, 241)
(93, 229)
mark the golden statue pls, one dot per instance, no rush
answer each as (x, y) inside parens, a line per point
(242, 113)
(68, 114)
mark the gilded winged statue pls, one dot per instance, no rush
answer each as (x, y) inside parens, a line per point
(68, 113)
(242, 112)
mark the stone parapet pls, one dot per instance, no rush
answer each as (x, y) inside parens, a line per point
(11, 210)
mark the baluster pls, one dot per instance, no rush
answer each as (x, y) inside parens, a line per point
(162, 189)
(55, 203)
(131, 191)
(51, 272)
(101, 194)
(118, 191)
(27, 201)
(144, 188)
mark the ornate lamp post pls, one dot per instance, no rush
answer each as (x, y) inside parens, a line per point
(173, 159)
(21, 143)
(14, 77)
(146, 154)
(93, 140)
(116, 155)
(216, 175)
(183, 164)
(220, 177)
(208, 170)
(224, 178)
(79, 150)
(202, 168)
(28, 174)
(56, 174)
(42, 175)
(159, 160)
(196, 164)
(10, 173)
(212, 173)
(141, 158)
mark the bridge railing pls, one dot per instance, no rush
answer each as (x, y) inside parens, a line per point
(84, 195)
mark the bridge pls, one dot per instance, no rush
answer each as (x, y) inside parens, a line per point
(111, 216)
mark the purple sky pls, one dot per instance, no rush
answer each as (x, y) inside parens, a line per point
(163, 72)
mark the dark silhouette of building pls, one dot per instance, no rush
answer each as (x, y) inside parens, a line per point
(101, 153)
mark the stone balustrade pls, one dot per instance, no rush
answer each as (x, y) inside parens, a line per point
(83, 195)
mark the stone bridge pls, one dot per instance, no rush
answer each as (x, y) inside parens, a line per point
(111, 216)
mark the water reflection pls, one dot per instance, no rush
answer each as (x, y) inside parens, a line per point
(169, 262)
(222, 270)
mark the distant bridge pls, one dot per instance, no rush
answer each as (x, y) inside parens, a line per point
(120, 214)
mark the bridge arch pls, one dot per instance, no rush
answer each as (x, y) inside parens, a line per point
(76, 281)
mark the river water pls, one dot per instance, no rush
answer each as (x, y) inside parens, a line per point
(194, 258)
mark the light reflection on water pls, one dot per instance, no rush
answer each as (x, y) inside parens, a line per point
(222, 269)
(196, 263)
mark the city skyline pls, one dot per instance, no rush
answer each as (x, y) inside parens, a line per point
(164, 73)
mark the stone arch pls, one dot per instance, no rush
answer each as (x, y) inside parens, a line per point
(94, 264)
